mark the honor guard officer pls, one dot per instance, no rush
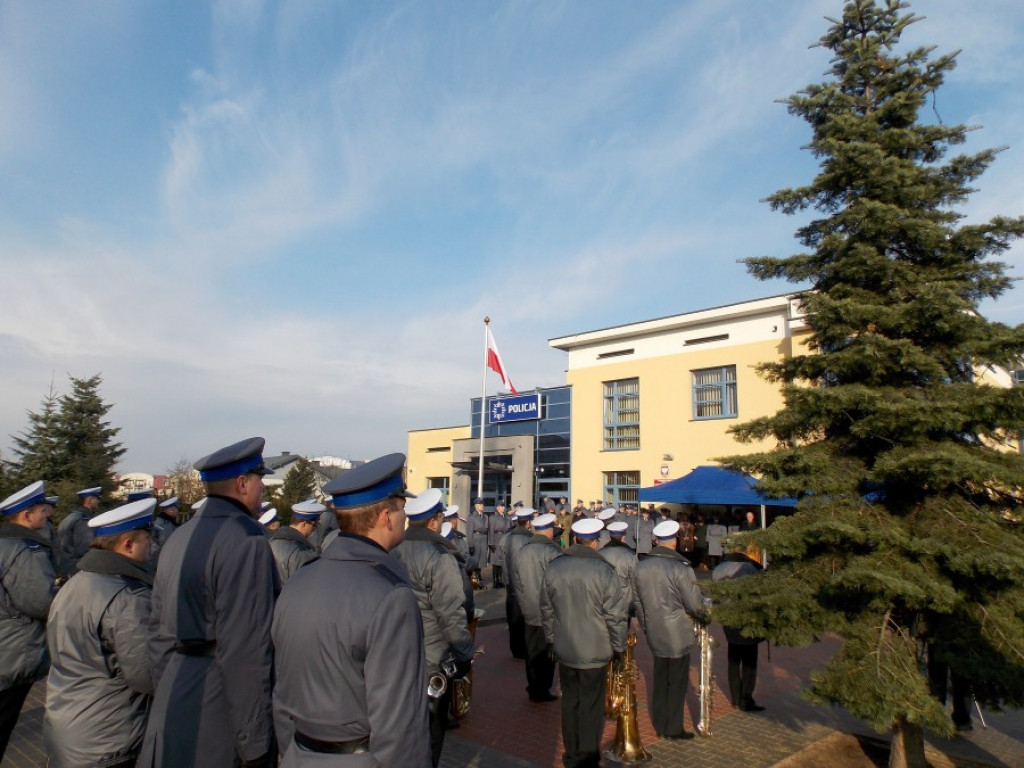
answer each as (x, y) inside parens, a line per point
(498, 525)
(585, 621)
(73, 534)
(476, 531)
(436, 578)
(99, 689)
(452, 535)
(531, 562)
(290, 544)
(668, 601)
(213, 603)
(164, 525)
(622, 558)
(606, 516)
(348, 639)
(326, 525)
(269, 520)
(515, 540)
(26, 591)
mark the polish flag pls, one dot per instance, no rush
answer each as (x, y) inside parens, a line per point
(495, 364)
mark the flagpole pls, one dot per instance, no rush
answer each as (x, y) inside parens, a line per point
(483, 415)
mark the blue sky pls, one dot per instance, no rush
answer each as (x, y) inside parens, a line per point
(290, 218)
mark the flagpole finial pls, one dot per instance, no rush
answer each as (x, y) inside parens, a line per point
(487, 321)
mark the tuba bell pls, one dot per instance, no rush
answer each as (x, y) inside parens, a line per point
(621, 696)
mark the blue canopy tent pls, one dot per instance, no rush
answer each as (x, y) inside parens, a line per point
(712, 485)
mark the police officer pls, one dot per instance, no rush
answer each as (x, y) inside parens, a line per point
(213, 602)
(26, 591)
(531, 562)
(621, 557)
(644, 533)
(269, 521)
(99, 689)
(290, 544)
(436, 579)
(348, 638)
(452, 535)
(164, 525)
(476, 531)
(515, 540)
(326, 525)
(606, 516)
(498, 525)
(73, 534)
(668, 601)
(585, 616)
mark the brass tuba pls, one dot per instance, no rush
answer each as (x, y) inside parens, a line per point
(620, 703)
(705, 644)
(462, 689)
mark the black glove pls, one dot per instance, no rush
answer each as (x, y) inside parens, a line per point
(618, 661)
(551, 652)
(462, 668)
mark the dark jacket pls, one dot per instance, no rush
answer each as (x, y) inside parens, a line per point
(74, 537)
(514, 540)
(531, 561)
(26, 591)
(735, 566)
(291, 551)
(667, 602)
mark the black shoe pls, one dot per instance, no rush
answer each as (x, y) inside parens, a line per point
(681, 736)
(964, 727)
(544, 698)
(451, 724)
(750, 706)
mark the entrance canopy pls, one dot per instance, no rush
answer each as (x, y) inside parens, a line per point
(712, 485)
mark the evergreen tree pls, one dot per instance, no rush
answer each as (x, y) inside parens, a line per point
(907, 540)
(299, 485)
(87, 440)
(39, 452)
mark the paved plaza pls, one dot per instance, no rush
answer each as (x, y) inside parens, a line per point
(505, 730)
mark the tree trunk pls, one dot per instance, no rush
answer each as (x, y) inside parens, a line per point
(907, 749)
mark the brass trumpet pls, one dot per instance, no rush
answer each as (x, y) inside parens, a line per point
(620, 703)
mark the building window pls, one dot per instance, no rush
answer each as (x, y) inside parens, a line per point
(622, 415)
(621, 488)
(714, 393)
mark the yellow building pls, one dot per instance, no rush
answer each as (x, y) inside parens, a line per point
(644, 403)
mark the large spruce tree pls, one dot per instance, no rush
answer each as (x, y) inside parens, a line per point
(898, 430)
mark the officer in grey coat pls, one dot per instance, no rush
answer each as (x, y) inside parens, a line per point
(531, 562)
(348, 639)
(165, 524)
(326, 526)
(99, 689)
(668, 601)
(26, 591)
(621, 557)
(477, 525)
(290, 543)
(436, 579)
(515, 540)
(644, 534)
(73, 534)
(212, 606)
(586, 616)
(498, 525)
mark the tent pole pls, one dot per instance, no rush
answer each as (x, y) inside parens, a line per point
(764, 524)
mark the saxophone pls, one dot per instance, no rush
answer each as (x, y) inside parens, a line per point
(705, 644)
(620, 697)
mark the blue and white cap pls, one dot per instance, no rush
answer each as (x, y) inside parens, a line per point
(127, 517)
(525, 513)
(446, 530)
(268, 517)
(587, 528)
(241, 458)
(307, 510)
(543, 522)
(171, 502)
(369, 483)
(86, 492)
(27, 497)
(606, 514)
(53, 501)
(198, 505)
(424, 506)
(452, 511)
(667, 529)
(617, 529)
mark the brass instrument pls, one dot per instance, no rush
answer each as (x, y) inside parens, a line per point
(620, 703)
(705, 644)
(462, 689)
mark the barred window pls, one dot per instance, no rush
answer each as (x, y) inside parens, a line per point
(621, 488)
(622, 415)
(714, 393)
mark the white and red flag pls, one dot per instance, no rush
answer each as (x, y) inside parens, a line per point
(495, 364)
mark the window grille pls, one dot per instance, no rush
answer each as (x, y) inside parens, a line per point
(622, 415)
(714, 393)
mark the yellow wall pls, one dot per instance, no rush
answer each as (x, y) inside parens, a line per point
(667, 425)
(422, 463)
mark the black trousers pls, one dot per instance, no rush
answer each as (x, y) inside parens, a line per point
(937, 678)
(516, 626)
(540, 669)
(496, 576)
(11, 700)
(668, 694)
(438, 720)
(742, 673)
(582, 714)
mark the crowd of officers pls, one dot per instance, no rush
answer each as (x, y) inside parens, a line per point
(232, 640)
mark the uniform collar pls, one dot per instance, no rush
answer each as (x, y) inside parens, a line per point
(288, 533)
(114, 564)
(582, 550)
(415, 533)
(15, 531)
(660, 551)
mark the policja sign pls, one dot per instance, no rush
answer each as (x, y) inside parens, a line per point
(522, 408)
